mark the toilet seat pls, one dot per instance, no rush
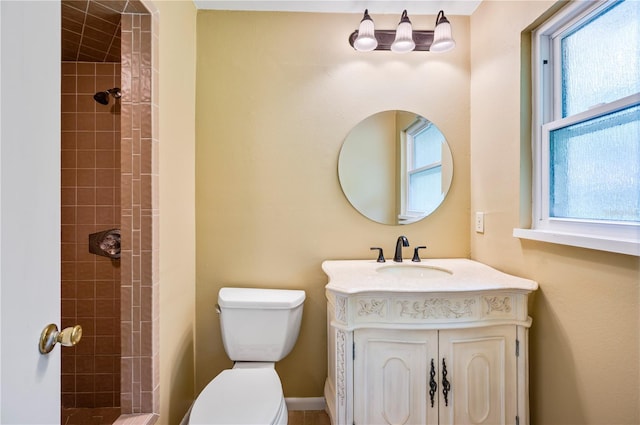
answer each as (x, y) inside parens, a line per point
(241, 396)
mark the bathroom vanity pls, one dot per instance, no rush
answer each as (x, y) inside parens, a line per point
(442, 341)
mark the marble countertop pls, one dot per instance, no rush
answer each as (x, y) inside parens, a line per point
(443, 275)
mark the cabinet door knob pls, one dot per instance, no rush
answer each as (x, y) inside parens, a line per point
(446, 385)
(433, 385)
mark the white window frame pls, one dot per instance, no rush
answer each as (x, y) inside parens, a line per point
(619, 237)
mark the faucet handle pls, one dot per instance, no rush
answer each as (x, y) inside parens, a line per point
(380, 254)
(416, 257)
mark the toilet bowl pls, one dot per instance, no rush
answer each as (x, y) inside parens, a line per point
(259, 327)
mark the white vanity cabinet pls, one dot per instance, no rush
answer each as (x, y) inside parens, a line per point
(435, 350)
(398, 370)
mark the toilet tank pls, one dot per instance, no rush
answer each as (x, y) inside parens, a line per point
(259, 325)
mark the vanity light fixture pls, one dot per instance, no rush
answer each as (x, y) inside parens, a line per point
(403, 39)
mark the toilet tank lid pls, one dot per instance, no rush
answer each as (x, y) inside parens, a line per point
(260, 298)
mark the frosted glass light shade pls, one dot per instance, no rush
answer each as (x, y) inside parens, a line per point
(442, 38)
(366, 40)
(403, 42)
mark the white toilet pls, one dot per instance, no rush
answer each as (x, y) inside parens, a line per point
(259, 328)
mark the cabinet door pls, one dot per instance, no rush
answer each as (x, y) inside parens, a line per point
(481, 369)
(391, 377)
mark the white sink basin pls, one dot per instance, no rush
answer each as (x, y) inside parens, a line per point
(414, 271)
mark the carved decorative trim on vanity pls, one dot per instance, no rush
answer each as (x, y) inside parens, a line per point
(341, 308)
(340, 364)
(437, 308)
(411, 309)
(501, 304)
(372, 306)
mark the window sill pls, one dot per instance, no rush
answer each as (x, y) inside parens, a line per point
(620, 246)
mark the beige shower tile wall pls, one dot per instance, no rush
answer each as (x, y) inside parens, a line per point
(139, 289)
(90, 203)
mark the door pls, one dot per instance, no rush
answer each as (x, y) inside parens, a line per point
(481, 370)
(391, 376)
(29, 209)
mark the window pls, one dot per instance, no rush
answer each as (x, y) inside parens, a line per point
(586, 127)
(423, 169)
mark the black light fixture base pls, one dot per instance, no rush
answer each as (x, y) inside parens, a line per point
(422, 38)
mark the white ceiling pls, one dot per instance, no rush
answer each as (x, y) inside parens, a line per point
(414, 7)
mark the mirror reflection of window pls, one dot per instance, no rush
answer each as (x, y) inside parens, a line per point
(423, 164)
(395, 167)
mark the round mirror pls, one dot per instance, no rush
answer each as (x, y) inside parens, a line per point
(395, 167)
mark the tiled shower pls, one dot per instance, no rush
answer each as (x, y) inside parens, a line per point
(90, 202)
(108, 180)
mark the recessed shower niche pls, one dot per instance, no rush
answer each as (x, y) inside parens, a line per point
(108, 177)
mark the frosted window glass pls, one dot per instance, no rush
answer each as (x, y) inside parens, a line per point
(425, 190)
(595, 168)
(427, 147)
(600, 59)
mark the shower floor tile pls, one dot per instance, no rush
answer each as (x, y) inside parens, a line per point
(90, 416)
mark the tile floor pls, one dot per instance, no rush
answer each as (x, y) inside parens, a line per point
(107, 416)
(86, 416)
(308, 417)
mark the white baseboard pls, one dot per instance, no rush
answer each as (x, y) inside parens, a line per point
(293, 403)
(305, 403)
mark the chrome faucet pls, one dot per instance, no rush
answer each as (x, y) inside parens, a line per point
(402, 241)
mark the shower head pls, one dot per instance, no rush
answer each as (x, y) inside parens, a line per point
(102, 97)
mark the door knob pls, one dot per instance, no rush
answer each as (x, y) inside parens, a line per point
(51, 336)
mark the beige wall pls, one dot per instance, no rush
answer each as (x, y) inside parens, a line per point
(176, 89)
(585, 335)
(277, 95)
